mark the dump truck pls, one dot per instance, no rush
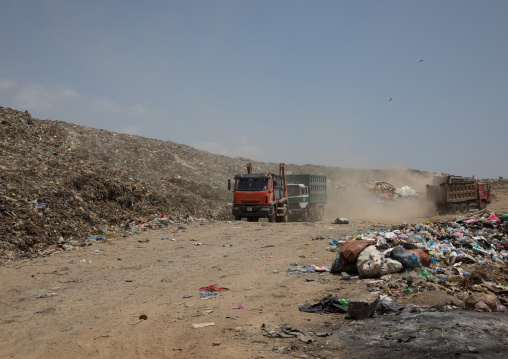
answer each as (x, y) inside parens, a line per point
(261, 195)
(307, 197)
(452, 194)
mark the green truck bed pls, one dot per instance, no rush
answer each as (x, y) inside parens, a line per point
(316, 184)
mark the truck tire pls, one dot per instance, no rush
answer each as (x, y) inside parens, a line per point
(483, 205)
(273, 216)
(285, 217)
(455, 208)
(464, 208)
(238, 218)
(306, 216)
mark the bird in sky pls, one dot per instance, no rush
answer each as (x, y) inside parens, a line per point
(420, 61)
(390, 100)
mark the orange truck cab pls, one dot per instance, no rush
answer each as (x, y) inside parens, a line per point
(261, 195)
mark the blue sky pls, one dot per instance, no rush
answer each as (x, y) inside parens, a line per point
(278, 81)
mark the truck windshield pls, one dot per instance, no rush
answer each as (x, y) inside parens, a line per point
(293, 191)
(252, 184)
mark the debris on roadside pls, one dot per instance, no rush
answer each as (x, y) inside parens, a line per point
(466, 258)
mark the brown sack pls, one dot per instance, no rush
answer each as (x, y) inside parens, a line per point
(423, 255)
(352, 248)
(489, 299)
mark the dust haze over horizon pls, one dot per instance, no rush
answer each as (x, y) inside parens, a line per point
(368, 85)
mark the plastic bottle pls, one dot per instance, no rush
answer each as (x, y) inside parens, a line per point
(207, 294)
(414, 260)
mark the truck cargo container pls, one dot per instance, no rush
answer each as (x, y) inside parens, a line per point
(451, 194)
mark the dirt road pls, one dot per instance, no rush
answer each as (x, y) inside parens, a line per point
(129, 298)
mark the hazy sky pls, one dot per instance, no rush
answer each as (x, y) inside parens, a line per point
(277, 80)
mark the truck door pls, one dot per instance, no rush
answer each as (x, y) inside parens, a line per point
(486, 189)
(484, 192)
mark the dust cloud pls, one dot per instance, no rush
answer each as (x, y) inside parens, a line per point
(353, 199)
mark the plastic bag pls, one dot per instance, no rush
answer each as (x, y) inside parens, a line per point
(408, 260)
(370, 263)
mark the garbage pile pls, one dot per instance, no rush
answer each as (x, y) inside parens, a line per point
(405, 192)
(53, 192)
(379, 187)
(384, 190)
(467, 258)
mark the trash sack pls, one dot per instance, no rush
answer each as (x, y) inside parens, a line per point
(405, 191)
(490, 300)
(408, 260)
(352, 248)
(393, 265)
(341, 221)
(481, 306)
(370, 263)
(346, 258)
(387, 305)
(325, 305)
(339, 266)
(423, 256)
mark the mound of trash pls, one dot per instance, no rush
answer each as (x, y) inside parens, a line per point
(459, 257)
(53, 186)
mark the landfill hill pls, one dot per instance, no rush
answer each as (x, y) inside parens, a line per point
(61, 181)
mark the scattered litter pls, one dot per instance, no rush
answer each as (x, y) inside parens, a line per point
(326, 305)
(202, 325)
(341, 221)
(213, 288)
(282, 332)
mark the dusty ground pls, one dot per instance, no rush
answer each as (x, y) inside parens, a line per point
(88, 303)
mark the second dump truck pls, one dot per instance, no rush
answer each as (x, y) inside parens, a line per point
(452, 194)
(306, 196)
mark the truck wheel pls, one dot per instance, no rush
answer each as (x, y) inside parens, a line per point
(456, 208)
(285, 217)
(238, 218)
(273, 216)
(464, 208)
(483, 205)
